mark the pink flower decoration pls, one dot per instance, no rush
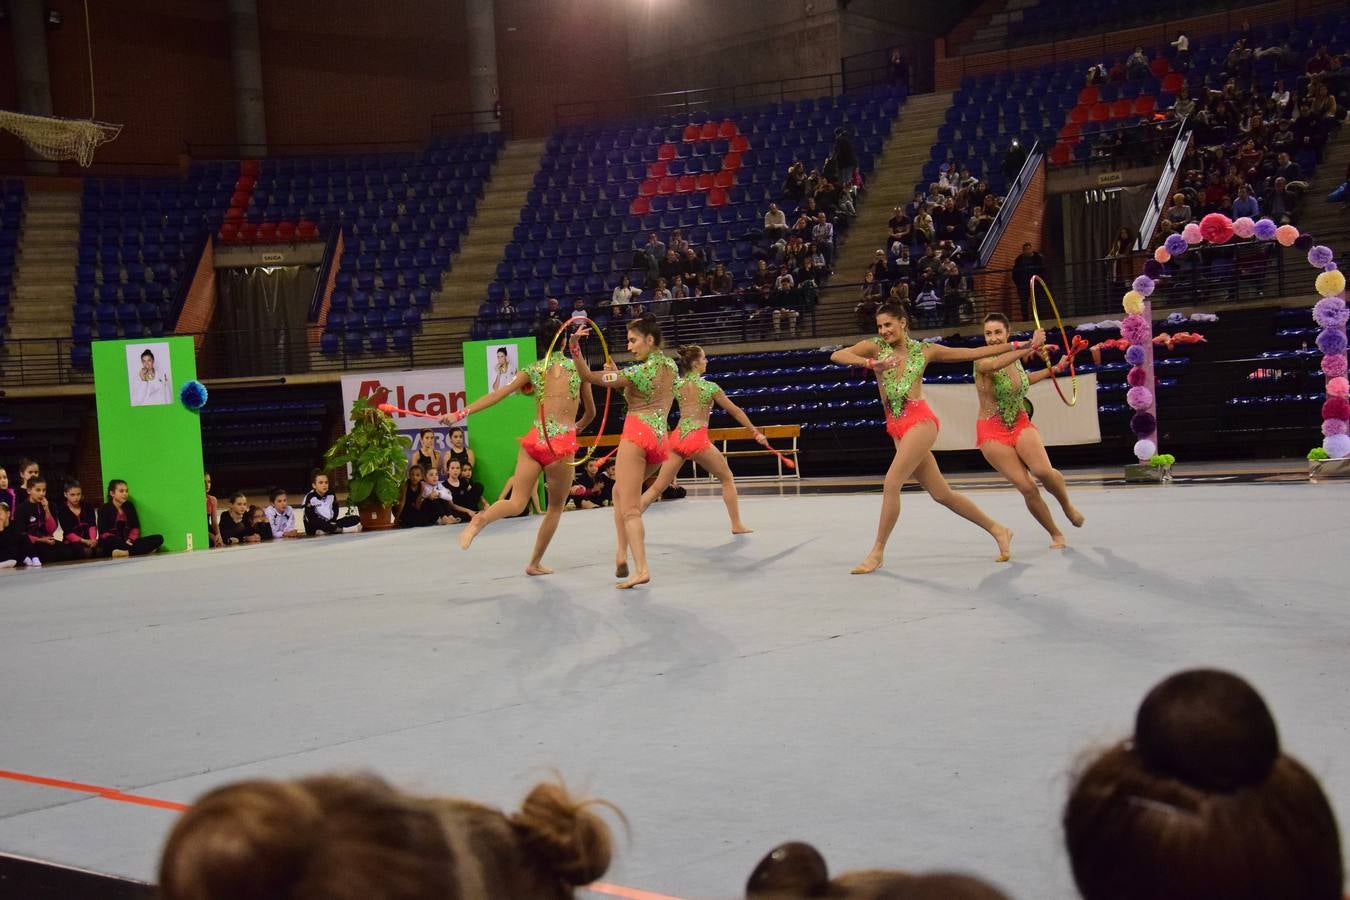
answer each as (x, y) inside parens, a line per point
(1216, 228)
(1139, 398)
(1135, 329)
(1336, 408)
(1162, 254)
(1334, 365)
(1244, 227)
(1338, 387)
(1286, 235)
(1191, 234)
(1136, 377)
(1333, 426)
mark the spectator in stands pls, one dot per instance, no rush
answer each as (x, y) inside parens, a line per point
(1183, 48)
(1015, 158)
(1119, 254)
(802, 225)
(661, 297)
(35, 519)
(505, 311)
(13, 543)
(280, 516)
(119, 528)
(1183, 107)
(1246, 204)
(761, 283)
(1340, 194)
(79, 526)
(925, 232)
(1179, 213)
(679, 297)
(868, 302)
(355, 836)
(954, 292)
(1137, 66)
(722, 282)
(7, 495)
(794, 185)
(321, 509)
(1202, 803)
(1319, 62)
(235, 527)
(1279, 203)
(579, 308)
(470, 495)
(655, 250)
(775, 223)
(823, 237)
(897, 68)
(899, 230)
(691, 267)
(678, 242)
(624, 294)
(783, 301)
(1029, 263)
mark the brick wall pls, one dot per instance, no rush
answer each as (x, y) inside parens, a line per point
(199, 307)
(1027, 226)
(87, 464)
(326, 304)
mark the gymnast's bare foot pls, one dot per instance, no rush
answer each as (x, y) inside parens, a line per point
(621, 569)
(629, 584)
(868, 565)
(1075, 517)
(741, 528)
(1057, 542)
(470, 532)
(1004, 537)
(537, 569)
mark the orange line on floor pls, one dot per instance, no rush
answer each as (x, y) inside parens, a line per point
(613, 890)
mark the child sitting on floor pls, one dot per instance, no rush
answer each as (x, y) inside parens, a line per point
(436, 498)
(236, 527)
(119, 527)
(7, 495)
(34, 518)
(79, 526)
(321, 509)
(471, 496)
(13, 545)
(456, 486)
(280, 516)
(257, 520)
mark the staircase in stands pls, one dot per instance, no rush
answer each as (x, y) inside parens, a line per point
(1329, 223)
(43, 278)
(892, 184)
(476, 265)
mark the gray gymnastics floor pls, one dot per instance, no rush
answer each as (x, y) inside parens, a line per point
(924, 717)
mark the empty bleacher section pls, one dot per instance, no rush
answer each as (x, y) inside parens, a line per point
(258, 438)
(11, 215)
(601, 190)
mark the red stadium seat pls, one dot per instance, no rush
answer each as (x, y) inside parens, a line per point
(690, 133)
(267, 233)
(1172, 83)
(709, 131)
(648, 187)
(1160, 67)
(740, 143)
(250, 167)
(641, 206)
(245, 183)
(731, 162)
(1100, 112)
(667, 151)
(727, 129)
(685, 185)
(307, 230)
(723, 179)
(1061, 154)
(1088, 95)
(248, 232)
(666, 185)
(1145, 104)
(240, 199)
(1069, 133)
(705, 181)
(1079, 114)
(229, 232)
(1121, 108)
(717, 197)
(234, 214)
(657, 169)
(286, 231)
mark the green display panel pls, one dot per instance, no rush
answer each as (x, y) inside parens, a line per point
(148, 439)
(494, 433)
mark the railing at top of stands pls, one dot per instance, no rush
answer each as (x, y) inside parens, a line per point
(1016, 190)
(751, 93)
(1139, 146)
(1163, 190)
(1092, 288)
(325, 269)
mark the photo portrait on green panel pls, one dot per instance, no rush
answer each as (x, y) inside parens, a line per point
(149, 374)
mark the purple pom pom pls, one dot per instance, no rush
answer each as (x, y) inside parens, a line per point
(1330, 427)
(1136, 329)
(1135, 355)
(1303, 241)
(1331, 342)
(1136, 377)
(1144, 285)
(1337, 446)
(1320, 256)
(1176, 244)
(1153, 269)
(1139, 398)
(1331, 312)
(1143, 424)
(1265, 230)
(1330, 267)
(1335, 366)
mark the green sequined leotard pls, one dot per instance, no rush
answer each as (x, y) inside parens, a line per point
(896, 383)
(1010, 392)
(539, 373)
(645, 379)
(695, 394)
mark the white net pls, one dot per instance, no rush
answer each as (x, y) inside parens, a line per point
(56, 138)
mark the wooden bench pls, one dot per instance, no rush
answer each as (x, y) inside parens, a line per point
(724, 436)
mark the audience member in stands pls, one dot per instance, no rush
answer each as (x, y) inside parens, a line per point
(797, 871)
(13, 543)
(1029, 263)
(1246, 204)
(722, 282)
(822, 234)
(79, 524)
(280, 516)
(625, 293)
(1183, 48)
(35, 519)
(119, 528)
(470, 495)
(1201, 803)
(236, 526)
(775, 223)
(321, 509)
(661, 297)
(458, 449)
(579, 307)
(794, 185)
(355, 836)
(654, 248)
(1137, 66)
(7, 494)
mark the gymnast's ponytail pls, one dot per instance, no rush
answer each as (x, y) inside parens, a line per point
(686, 355)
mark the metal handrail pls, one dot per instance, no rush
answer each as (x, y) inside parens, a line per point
(1163, 189)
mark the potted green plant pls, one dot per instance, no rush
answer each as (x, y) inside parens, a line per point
(378, 457)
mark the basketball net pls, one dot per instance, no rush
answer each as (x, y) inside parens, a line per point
(56, 138)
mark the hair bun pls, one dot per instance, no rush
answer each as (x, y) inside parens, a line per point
(563, 835)
(793, 868)
(1208, 728)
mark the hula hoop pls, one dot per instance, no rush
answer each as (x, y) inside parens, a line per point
(609, 392)
(1064, 337)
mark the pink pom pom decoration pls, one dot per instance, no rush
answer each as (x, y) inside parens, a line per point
(1286, 235)
(1136, 329)
(1334, 426)
(1216, 228)
(1162, 254)
(1334, 365)
(1338, 387)
(1244, 227)
(1136, 377)
(1139, 398)
(1191, 234)
(1336, 408)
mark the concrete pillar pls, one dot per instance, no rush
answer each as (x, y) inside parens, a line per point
(482, 34)
(250, 113)
(28, 26)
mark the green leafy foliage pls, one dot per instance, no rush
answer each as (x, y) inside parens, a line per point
(376, 452)
(1161, 460)
(1317, 453)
